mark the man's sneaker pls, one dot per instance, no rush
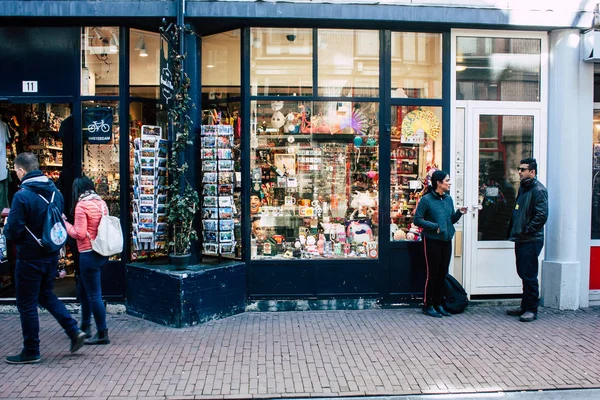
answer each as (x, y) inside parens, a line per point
(528, 316)
(515, 312)
(77, 341)
(22, 359)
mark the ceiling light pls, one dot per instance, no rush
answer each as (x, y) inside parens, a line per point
(113, 46)
(143, 50)
(138, 44)
(460, 68)
(210, 63)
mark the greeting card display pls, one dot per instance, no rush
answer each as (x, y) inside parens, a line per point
(218, 178)
(149, 230)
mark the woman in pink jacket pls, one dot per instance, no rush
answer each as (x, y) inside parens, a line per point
(88, 209)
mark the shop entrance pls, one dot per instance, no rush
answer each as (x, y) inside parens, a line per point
(497, 137)
(45, 129)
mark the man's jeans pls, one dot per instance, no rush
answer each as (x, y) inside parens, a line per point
(527, 254)
(89, 289)
(35, 281)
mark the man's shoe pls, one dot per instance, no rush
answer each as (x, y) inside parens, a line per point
(101, 337)
(22, 359)
(429, 310)
(77, 341)
(515, 312)
(442, 311)
(528, 316)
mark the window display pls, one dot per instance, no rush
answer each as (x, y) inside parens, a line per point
(314, 180)
(416, 149)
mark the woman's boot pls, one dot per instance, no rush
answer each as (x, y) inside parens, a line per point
(87, 329)
(101, 337)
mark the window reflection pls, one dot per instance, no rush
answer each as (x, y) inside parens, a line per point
(416, 65)
(506, 69)
(144, 57)
(348, 63)
(281, 61)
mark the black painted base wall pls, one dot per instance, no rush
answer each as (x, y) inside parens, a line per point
(183, 298)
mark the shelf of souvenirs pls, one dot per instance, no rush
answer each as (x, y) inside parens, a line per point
(52, 165)
(44, 147)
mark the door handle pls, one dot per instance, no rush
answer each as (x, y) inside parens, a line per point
(476, 207)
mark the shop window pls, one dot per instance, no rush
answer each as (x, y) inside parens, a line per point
(100, 61)
(281, 61)
(314, 179)
(45, 130)
(500, 69)
(596, 178)
(220, 146)
(416, 65)
(146, 48)
(416, 148)
(100, 156)
(148, 152)
(348, 63)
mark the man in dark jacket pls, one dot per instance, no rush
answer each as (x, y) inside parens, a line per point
(35, 267)
(526, 229)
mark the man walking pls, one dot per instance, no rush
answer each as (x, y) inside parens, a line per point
(36, 267)
(526, 229)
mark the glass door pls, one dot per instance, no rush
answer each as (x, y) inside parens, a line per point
(497, 139)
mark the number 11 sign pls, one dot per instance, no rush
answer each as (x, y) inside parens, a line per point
(30, 86)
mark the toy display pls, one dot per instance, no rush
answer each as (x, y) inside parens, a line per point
(314, 180)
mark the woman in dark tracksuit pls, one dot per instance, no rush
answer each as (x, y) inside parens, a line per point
(437, 216)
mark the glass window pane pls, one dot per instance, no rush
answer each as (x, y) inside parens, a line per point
(281, 61)
(416, 146)
(417, 65)
(148, 179)
(314, 179)
(596, 178)
(221, 65)
(498, 177)
(100, 156)
(505, 69)
(100, 61)
(348, 63)
(144, 58)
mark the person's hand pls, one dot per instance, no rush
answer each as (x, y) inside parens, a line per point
(64, 217)
(463, 210)
(438, 230)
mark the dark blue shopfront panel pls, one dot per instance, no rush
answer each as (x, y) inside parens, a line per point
(46, 55)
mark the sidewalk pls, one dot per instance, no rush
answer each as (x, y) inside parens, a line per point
(312, 354)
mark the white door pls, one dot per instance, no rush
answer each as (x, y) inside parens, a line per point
(498, 136)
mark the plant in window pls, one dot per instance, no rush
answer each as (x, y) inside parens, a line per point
(184, 200)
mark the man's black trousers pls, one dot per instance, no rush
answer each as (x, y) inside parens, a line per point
(527, 254)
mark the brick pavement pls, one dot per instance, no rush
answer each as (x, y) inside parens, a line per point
(318, 354)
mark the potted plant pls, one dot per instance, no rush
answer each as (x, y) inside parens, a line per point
(184, 200)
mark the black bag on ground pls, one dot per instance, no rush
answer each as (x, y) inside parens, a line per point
(455, 298)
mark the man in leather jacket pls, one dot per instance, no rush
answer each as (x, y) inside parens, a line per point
(526, 229)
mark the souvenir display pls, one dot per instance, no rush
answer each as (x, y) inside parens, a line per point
(314, 180)
(149, 218)
(219, 210)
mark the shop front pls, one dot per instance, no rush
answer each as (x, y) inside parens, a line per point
(315, 134)
(68, 96)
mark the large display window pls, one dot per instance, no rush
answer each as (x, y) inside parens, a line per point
(416, 150)
(314, 179)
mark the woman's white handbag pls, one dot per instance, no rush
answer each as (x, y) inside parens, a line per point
(109, 240)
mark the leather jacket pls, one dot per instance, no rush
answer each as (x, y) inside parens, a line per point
(530, 213)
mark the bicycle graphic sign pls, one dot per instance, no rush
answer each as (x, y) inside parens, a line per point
(97, 125)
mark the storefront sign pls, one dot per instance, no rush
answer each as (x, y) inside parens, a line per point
(97, 125)
(166, 80)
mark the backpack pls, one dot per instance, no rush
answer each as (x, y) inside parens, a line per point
(109, 240)
(54, 234)
(455, 298)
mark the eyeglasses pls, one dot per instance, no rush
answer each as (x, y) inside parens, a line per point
(520, 169)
